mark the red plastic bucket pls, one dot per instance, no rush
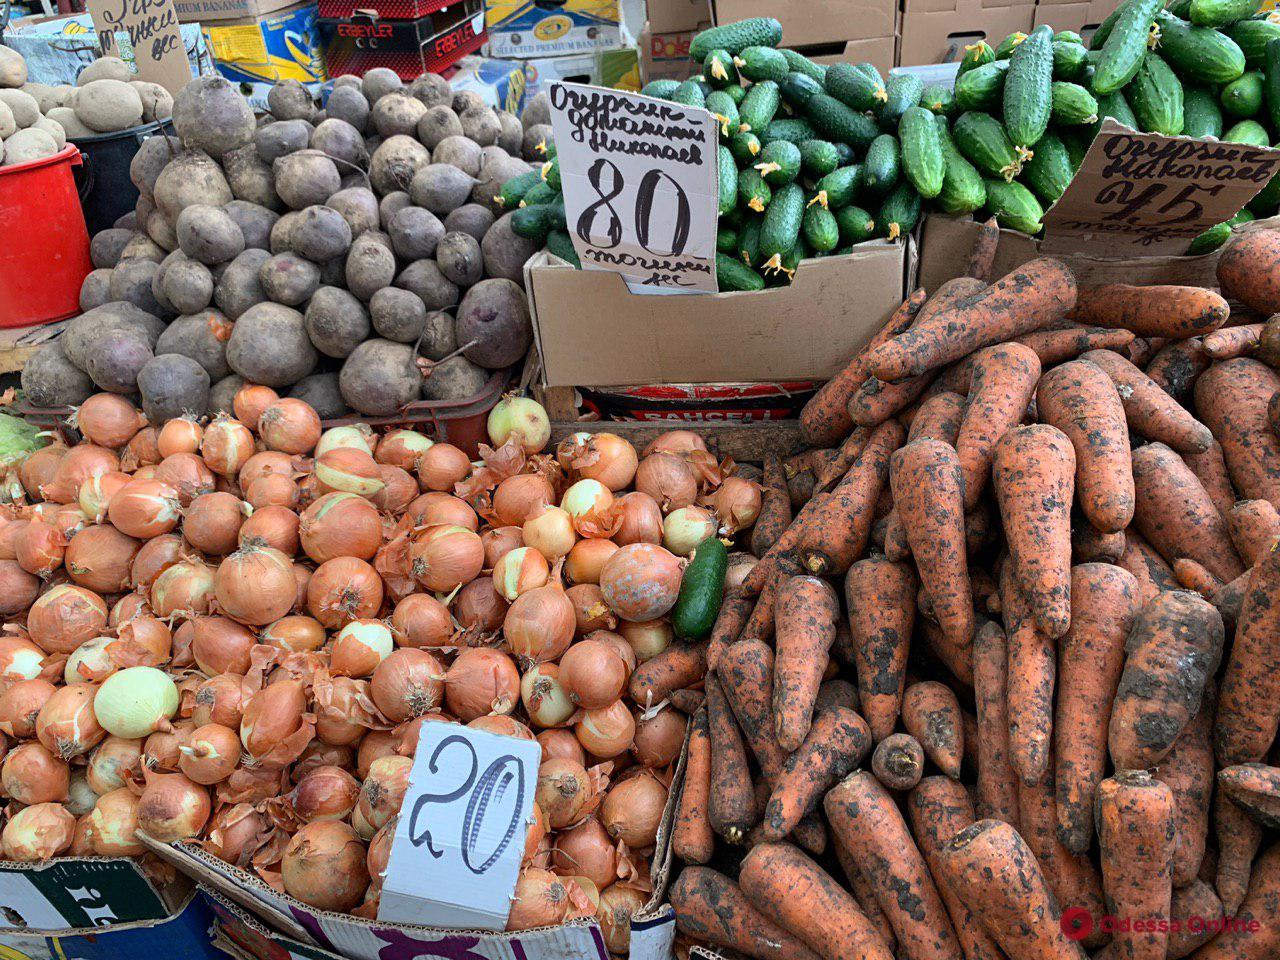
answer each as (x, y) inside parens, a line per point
(44, 246)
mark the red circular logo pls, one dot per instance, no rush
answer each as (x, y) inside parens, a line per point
(1077, 923)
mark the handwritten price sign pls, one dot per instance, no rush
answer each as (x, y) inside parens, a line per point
(461, 832)
(1143, 193)
(639, 179)
(151, 27)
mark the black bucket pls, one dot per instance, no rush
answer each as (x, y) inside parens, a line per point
(106, 192)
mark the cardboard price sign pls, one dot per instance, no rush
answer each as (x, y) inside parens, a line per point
(639, 178)
(153, 32)
(1147, 194)
(461, 832)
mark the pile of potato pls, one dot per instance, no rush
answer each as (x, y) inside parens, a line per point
(322, 253)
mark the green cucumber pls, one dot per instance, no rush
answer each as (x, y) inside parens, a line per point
(838, 188)
(1247, 131)
(762, 63)
(846, 154)
(1115, 106)
(797, 88)
(1107, 25)
(792, 129)
(1243, 97)
(721, 106)
(662, 89)
(962, 187)
(731, 276)
(539, 193)
(820, 229)
(749, 241)
(781, 226)
(1219, 13)
(1069, 60)
(1004, 50)
(1156, 97)
(1050, 170)
(1068, 36)
(753, 192)
(727, 180)
(982, 140)
(1078, 140)
(561, 245)
(551, 174)
(1272, 75)
(779, 162)
(840, 122)
(922, 160)
(975, 55)
(1072, 104)
(745, 147)
(1126, 46)
(1027, 101)
(1014, 206)
(1179, 8)
(982, 87)
(799, 63)
(854, 86)
(514, 190)
(902, 90)
(787, 264)
(689, 94)
(881, 166)
(1253, 36)
(818, 157)
(900, 212)
(737, 92)
(1264, 204)
(1198, 54)
(939, 98)
(719, 68)
(736, 37)
(1210, 239)
(532, 223)
(1202, 117)
(855, 225)
(726, 240)
(759, 105)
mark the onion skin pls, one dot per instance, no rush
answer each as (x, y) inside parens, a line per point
(145, 508)
(544, 696)
(234, 833)
(445, 556)
(249, 402)
(519, 571)
(113, 825)
(618, 904)
(356, 436)
(383, 790)
(402, 448)
(186, 587)
(539, 626)
(359, 647)
(324, 866)
(186, 473)
(517, 498)
(498, 542)
(641, 581)
(563, 791)
(550, 531)
(20, 659)
(376, 743)
(587, 559)
(111, 761)
(39, 548)
(607, 458)
(340, 710)
(399, 488)
(266, 463)
(347, 470)
(668, 480)
(220, 699)
(272, 717)
(272, 490)
(561, 745)
(153, 558)
(541, 899)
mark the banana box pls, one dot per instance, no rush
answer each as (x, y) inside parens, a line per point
(547, 28)
(257, 52)
(500, 82)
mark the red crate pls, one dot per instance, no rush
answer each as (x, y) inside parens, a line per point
(409, 47)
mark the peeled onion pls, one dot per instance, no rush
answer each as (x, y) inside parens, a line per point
(606, 732)
(433, 507)
(20, 704)
(324, 866)
(640, 519)
(539, 625)
(544, 696)
(32, 774)
(586, 849)
(443, 466)
(550, 531)
(479, 608)
(179, 435)
(144, 509)
(172, 807)
(355, 436)
(359, 647)
(255, 585)
(481, 681)
(227, 445)
(64, 617)
(445, 556)
(38, 832)
(342, 590)
(340, 525)
(632, 810)
(668, 480)
(135, 702)
(641, 581)
(348, 470)
(593, 674)
(517, 498)
(221, 645)
(210, 755)
(91, 662)
(685, 528)
(290, 426)
(521, 419)
(272, 526)
(407, 683)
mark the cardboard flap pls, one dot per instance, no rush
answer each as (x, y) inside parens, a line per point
(1144, 194)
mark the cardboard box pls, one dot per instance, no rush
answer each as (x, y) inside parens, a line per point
(880, 52)
(191, 11)
(665, 56)
(1080, 17)
(520, 29)
(500, 82)
(933, 35)
(260, 51)
(677, 16)
(618, 69)
(592, 332)
(805, 22)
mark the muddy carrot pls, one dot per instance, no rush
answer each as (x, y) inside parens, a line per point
(1152, 311)
(1188, 772)
(711, 909)
(731, 806)
(1232, 342)
(938, 418)
(836, 693)
(780, 880)
(1176, 366)
(880, 598)
(673, 669)
(1231, 398)
(830, 473)
(898, 761)
(838, 741)
(1139, 351)
(1175, 514)
(896, 546)
(1239, 837)
(1228, 599)
(1089, 544)
(825, 420)
(997, 792)
(1255, 789)
(1068, 342)
(1194, 576)
(1245, 270)
(746, 670)
(982, 255)
(1079, 399)
(1248, 708)
(1030, 681)
(931, 714)
(1194, 899)
(1254, 526)
(838, 534)
(1135, 837)
(730, 622)
(1210, 469)
(805, 617)
(1172, 649)
(1149, 411)
(1256, 934)
(1031, 297)
(1141, 560)
(775, 507)
(1004, 381)
(1273, 412)
(990, 868)
(864, 895)
(1104, 603)
(866, 821)
(692, 838)
(688, 701)
(760, 624)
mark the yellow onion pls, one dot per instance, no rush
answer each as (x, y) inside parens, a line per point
(632, 810)
(740, 566)
(539, 625)
(676, 441)
(550, 531)
(445, 556)
(534, 834)
(359, 647)
(17, 588)
(129, 607)
(502, 724)
(142, 450)
(221, 645)
(342, 590)
(144, 640)
(212, 522)
(266, 463)
(91, 662)
(160, 750)
(379, 854)
(587, 559)
(589, 608)
(81, 839)
(640, 519)
(180, 435)
(74, 468)
(544, 697)
(110, 761)
(685, 528)
(135, 702)
(347, 470)
(255, 585)
(641, 581)
(326, 793)
(274, 489)
(619, 644)
(340, 708)
(383, 790)
(100, 558)
(113, 825)
(249, 402)
(518, 498)
(647, 638)
(588, 502)
(481, 681)
(399, 488)
(39, 547)
(290, 426)
(20, 659)
(479, 608)
(541, 899)
(96, 493)
(20, 704)
(273, 716)
(442, 467)
(563, 792)
(32, 774)
(607, 458)
(39, 469)
(407, 684)
(38, 832)
(606, 732)
(402, 448)
(69, 519)
(560, 744)
(294, 633)
(272, 526)
(434, 507)
(668, 480)
(144, 509)
(499, 541)
(618, 905)
(9, 530)
(737, 504)
(210, 755)
(340, 525)
(521, 419)
(420, 620)
(67, 724)
(356, 436)
(593, 674)
(227, 445)
(519, 571)
(586, 849)
(172, 807)
(186, 473)
(65, 617)
(219, 699)
(234, 833)
(152, 558)
(659, 737)
(324, 866)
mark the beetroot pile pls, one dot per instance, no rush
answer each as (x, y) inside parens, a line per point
(232, 632)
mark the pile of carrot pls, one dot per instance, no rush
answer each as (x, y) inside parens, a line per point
(1005, 681)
